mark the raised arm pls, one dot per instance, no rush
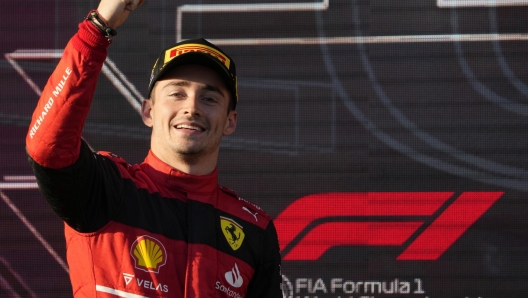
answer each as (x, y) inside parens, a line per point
(82, 188)
(54, 135)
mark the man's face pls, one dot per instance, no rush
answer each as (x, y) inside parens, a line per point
(188, 113)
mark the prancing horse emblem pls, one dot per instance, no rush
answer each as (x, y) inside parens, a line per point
(233, 232)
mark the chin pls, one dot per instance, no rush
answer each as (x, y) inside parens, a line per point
(190, 150)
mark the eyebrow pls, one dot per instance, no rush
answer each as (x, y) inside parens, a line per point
(210, 88)
(184, 83)
(178, 84)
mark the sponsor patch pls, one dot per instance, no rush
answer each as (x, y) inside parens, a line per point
(128, 277)
(194, 47)
(233, 232)
(148, 253)
(234, 278)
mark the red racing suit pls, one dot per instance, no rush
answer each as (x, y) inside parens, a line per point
(144, 230)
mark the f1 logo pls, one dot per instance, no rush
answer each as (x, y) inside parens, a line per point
(432, 221)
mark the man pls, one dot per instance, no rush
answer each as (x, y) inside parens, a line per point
(163, 228)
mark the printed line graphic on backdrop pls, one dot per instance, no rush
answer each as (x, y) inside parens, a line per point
(322, 6)
(494, 173)
(110, 70)
(12, 282)
(480, 3)
(17, 281)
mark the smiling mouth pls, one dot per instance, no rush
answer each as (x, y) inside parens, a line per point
(185, 126)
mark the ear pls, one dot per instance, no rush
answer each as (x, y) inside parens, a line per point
(231, 123)
(146, 112)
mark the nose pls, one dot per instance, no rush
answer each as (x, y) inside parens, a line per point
(192, 105)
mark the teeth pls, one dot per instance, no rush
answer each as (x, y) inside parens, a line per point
(188, 127)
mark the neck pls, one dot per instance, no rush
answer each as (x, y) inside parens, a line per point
(193, 164)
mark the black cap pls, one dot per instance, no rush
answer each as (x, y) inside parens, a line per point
(197, 51)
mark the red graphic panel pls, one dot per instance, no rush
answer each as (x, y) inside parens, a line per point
(444, 230)
(330, 234)
(450, 225)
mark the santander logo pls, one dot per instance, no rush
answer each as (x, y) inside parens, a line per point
(233, 277)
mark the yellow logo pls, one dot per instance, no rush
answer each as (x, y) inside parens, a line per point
(148, 253)
(232, 231)
(195, 47)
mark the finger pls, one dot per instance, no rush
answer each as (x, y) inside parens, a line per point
(132, 5)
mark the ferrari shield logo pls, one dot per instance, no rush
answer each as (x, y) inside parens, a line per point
(232, 231)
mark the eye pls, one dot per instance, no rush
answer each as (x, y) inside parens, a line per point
(176, 94)
(209, 99)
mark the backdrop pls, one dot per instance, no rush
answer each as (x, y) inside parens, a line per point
(388, 139)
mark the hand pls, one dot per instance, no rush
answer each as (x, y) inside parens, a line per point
(115, 12)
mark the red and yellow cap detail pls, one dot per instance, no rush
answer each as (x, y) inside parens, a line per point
(195, 47)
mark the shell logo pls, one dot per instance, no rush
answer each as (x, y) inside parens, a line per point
(148, 253)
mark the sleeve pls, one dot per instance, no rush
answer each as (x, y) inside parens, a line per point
(80, 186)
(267, 280)
(54, 136)
(85, 195)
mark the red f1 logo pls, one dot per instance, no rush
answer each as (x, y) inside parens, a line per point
(435, 220)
